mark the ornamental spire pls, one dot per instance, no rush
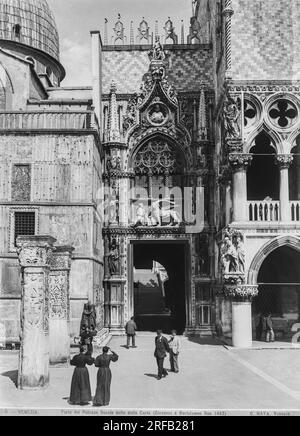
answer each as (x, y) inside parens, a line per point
(113, 120)
(202, 118)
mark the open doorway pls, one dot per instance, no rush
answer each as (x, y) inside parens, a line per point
(159, 285)
(279, 291)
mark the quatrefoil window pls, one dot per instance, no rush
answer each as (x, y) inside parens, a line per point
(283, 113)
(250, 114)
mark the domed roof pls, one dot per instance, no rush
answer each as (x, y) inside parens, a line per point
(29, 22)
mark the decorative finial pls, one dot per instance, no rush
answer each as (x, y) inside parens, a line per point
(182, 32)
(105, 32)
(131, 33)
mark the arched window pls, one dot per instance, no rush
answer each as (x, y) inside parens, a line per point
(263, 174)
(17, 31)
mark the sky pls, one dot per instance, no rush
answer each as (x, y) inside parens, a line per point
(76, 18)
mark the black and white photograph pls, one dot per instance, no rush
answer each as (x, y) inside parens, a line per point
(150, 210)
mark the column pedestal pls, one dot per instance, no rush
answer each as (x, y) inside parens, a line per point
(242, 324)
(35, 254)
(59, 296)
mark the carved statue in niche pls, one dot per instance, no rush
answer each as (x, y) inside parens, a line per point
(203, 255)
(232, 118)
(114, 258)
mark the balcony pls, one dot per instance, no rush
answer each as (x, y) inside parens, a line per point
(269, 211)
(48, 121)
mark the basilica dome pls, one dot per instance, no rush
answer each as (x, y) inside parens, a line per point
(28, 27)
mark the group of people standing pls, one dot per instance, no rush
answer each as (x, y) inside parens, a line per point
(163, 346)
(80, 386)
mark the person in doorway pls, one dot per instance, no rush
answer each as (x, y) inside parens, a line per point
(161, 349)
(269, 327)
(80, 387)
(131, 329)
(104, 377)
(174, 344)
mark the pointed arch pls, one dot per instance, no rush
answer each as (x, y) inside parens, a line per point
(184, 150)
(266, 250)
(275, 138)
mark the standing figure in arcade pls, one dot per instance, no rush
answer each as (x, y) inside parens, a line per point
(104, 377)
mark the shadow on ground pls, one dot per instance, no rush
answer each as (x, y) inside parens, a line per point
(12, 375)
(214, 342)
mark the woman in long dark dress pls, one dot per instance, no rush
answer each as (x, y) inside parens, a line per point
(81, 388)
(104, 377)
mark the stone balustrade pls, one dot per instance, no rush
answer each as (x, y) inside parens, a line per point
(264, 211)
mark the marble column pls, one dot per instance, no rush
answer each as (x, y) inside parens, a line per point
(59, 297)
(35, 253)
(284, 162)
(240, 163)
(242, 324)
(241, 297)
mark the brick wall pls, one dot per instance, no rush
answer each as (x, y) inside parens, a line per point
(188, 68)
(266, 39)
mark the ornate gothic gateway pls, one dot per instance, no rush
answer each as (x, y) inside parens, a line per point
(157, 234)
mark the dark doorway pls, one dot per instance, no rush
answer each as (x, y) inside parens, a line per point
(160, 286)
(279, 290)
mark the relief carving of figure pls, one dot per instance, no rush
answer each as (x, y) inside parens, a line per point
(232, 118)
(157, 116)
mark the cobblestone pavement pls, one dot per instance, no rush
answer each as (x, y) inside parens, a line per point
(211, 377)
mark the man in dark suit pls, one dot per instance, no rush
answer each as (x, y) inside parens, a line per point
(161, 350)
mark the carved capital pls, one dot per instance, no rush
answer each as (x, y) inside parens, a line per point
(35, 251)
(240, 292)
(235, 146)
(62, 258)
(284, 161)
(240, 161)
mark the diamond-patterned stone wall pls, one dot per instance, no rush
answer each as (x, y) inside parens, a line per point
(188, 69)
(266, 40)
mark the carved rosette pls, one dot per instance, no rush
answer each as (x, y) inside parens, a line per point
(240, 161)
(284, 161)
